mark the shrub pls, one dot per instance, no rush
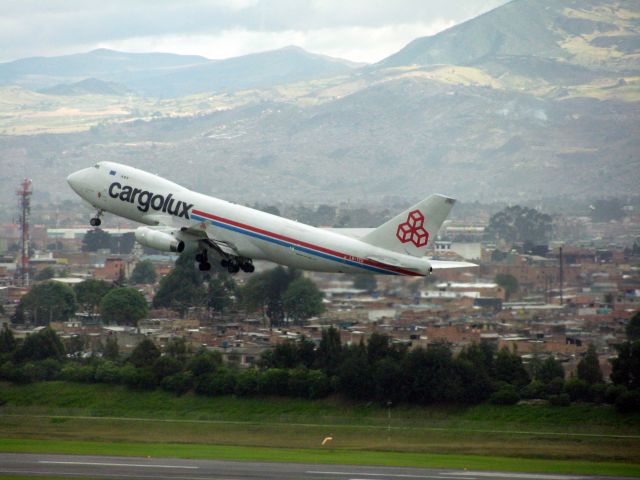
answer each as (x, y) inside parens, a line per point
(165, 366)
(577, 389)
(628, 402)
(506, 395)
(204, 362)
(50, 369)
(178, 383)
(274, 381)
(536, 389)
(298, 385)
(612, 393)
(142, 378)
(221, 382)
(78, 373)
(597, 392)
(560, 400)
(108, 372)
(555, 386)
(319, 384)
(247, 383)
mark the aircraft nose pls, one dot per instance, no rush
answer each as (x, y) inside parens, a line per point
(74, 180)
(79, 181)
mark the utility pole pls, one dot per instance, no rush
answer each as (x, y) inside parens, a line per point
(561, 277)
(24, 195)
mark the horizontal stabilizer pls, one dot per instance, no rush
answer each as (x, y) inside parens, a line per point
(445, 264)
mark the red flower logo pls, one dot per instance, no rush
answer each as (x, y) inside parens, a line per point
(412, 230)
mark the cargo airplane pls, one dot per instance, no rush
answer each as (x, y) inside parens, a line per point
(176, 217)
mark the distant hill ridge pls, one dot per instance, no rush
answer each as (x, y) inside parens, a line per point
(89, 86)
(169, 75)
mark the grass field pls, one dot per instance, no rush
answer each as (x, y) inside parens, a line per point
(62, 417)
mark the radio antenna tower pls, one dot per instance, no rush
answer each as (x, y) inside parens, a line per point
(25, 213)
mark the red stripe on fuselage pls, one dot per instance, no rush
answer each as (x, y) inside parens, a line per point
(371, 263)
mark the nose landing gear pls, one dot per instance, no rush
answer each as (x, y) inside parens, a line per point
(95, 221)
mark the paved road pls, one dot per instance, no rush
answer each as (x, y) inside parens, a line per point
(146, 468)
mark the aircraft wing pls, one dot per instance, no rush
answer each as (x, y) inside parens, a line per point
(193, 232)
(447, 264)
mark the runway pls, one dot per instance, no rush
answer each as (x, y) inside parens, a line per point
(73, 466)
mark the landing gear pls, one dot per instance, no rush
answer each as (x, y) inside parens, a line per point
(203, 261)
(234, 266)
(247, 267)
(95, 221)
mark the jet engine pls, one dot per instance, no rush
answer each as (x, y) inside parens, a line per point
(158, 240)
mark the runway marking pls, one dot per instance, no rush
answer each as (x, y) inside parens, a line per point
(106, 475)
(395, 475)
(105, 464)
(533, 476)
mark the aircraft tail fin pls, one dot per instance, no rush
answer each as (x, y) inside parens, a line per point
(413, 230)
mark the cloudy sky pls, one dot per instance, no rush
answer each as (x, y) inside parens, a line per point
(358, 30)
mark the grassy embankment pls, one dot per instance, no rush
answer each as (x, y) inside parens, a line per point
(103, 419)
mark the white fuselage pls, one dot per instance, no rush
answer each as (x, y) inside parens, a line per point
(146, 198)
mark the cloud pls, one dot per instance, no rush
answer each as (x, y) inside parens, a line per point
(359, 44)
(361, 30)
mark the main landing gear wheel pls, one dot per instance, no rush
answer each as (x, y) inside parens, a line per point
(203, 261)
(234, 266)
(247, 267)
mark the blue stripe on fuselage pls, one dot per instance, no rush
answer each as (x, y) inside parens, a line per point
(289, 244)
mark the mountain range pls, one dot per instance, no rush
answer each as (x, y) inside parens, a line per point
(535, 99)
(171, 75)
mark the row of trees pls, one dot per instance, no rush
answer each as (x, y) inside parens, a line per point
(280, 294)
(54, 301)
(378, 370)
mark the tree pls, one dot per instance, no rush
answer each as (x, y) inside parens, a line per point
(633, 328)
(222, 291)
(589, 367)
(519, 224)
(355, 378)
(41, 345)
(124, 306)
(182, 287)
(508, 282)
(302, 300)
(46, 302)
(90, 292)
(111, 349)
(264, 291)
(550, 369)
(434, 375)
(96, 239)
(508, 368)
(7, 341)
(46, 273)
(143, 272)
(626, 366)
(329, 355)
(177, 348)
(145, 354)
